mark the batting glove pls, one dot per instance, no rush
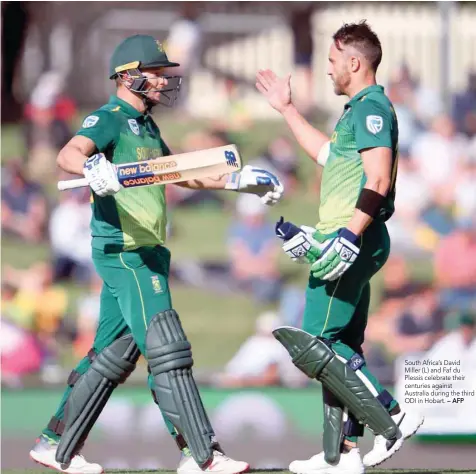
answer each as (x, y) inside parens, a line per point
(337, 257)
(101, 175)
(257, 181)
(299, 243)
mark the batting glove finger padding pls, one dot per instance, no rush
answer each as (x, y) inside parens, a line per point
(337, 257)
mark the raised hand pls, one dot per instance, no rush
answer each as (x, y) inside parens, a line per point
(277, 90)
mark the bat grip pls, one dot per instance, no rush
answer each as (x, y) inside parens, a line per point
(72, 184)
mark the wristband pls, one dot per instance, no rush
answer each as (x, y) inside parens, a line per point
(233, 182)
(370, 202)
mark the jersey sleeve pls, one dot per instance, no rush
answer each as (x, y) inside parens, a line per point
(101, 127)
(165, 149)
(373, 125)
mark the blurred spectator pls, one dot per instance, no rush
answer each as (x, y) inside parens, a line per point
(408, 125)
(40, 303)
(20, 354)
(254, 250)
(410, 326)
(464, 108)
(455, 268)
(456, 343)
(234, 115)
(303, 44)
(48, 117)
(178, 196)
(71, 236)
(261, 360)
(425, 103)
(87, 317)
(439, 153)
(465, 191)
(23, 205)
(440, 156)
(281, 156)
(184, 44)
(412, 198)
(15, 22)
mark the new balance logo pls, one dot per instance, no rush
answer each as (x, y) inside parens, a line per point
(231, 159)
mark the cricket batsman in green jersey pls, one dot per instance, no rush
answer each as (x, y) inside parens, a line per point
(128, 247)
(346, 248)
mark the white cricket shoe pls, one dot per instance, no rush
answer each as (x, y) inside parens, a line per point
(44, 453)
(408, 424)
(349, 463)
(220, 464)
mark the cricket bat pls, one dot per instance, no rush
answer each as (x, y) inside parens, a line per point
(172, 169)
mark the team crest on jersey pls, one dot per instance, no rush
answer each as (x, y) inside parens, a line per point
(134, 126)
(90, 121)
(156, 286)
(374, 123)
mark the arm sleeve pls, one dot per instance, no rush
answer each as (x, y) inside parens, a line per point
(373, 125)
(101, 127)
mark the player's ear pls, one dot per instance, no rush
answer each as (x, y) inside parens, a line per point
(125, 79)
(354, 63)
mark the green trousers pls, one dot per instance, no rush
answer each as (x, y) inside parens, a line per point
(135, 289)
(338, 310)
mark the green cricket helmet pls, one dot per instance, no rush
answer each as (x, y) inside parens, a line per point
(139, 52)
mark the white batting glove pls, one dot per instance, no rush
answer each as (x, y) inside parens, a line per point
(257, 181)
(101, 175)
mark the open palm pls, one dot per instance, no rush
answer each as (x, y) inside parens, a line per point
(276, 89)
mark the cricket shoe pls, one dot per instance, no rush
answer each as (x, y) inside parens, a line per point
(44, 453)
(220, 464)
(408, 424)
(349, 463)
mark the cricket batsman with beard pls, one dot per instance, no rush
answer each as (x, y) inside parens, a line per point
(128, 248)
(345, 249)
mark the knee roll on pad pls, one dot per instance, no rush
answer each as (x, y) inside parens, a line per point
(312, 356)
(169, 356)
(91, 392)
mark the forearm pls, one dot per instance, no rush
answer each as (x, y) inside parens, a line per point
(216, 182)
(308, 137)
(71, 160)
(361, 220)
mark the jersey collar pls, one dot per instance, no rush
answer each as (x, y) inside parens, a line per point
(363, 93)
(127, 108)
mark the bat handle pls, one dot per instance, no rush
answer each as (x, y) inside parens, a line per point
(72, 184)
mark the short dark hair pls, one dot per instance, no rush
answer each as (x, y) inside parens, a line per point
(361, 37)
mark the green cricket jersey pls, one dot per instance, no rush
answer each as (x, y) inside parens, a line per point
(368, 121)
(134, 217)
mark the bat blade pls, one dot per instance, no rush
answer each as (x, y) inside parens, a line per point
(172, 169)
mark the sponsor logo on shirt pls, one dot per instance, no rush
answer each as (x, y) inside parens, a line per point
(134, 126)
(90, 121)
(374, 123)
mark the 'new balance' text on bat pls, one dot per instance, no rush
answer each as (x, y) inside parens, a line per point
(172, 169)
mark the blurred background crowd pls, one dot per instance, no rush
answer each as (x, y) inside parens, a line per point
(230, 281)
(225, 251)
